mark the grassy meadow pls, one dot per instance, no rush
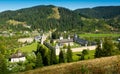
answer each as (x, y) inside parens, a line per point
(99, 35)
(90, 55)
(29, 48)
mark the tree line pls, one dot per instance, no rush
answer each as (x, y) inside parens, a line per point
(46, 57)
(107, 48)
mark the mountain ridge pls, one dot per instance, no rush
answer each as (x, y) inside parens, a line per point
(100, 11)
(48, 17)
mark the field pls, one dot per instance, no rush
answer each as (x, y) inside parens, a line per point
(90, 55)
(29, 48)
(99, 35)
(95, 66)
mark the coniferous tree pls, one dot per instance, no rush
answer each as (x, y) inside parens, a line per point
(47, 58)
(53, 58)
(39, 62)
(69, 54)
(82, 57)
(61, 57)
(85, 52)
(118, 46)
(98, 51)
(45, 53)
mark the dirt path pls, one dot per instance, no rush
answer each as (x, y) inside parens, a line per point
(82, 48)
(78, 49)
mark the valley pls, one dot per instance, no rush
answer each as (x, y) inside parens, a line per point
(47, 39)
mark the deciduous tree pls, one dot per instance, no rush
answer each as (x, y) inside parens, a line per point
(3, 65)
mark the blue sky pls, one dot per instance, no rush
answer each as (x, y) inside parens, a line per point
(71, 4)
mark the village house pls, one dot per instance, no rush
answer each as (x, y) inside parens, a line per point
(28, 40)
(119, 39)
(17, 57)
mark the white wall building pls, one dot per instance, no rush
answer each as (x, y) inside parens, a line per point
(17, 57)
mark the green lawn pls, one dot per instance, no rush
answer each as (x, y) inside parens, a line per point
(99, 35)
(29, 48)
(90, 55)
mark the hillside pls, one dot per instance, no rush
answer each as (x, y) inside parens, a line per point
(43, 17)
(62, 19)
(105, 12)
(96, 66)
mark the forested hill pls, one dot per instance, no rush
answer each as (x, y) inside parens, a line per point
(105, 12)
(51, 17)
(43, 17)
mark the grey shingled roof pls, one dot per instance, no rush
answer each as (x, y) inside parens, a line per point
(65, 41)
(18, 54)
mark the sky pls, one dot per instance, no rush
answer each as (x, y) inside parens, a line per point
(71, 4)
